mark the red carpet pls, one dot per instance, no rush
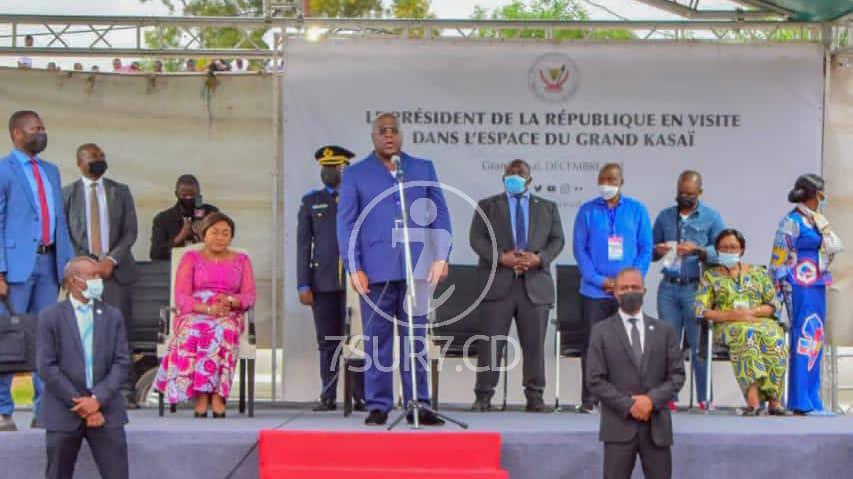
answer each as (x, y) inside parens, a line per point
(379, 455)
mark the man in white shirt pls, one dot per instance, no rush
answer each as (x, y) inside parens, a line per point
(102, 225)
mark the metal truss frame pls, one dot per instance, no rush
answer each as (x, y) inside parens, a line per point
(96, 35)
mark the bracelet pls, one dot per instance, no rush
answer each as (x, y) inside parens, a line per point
(208, 309)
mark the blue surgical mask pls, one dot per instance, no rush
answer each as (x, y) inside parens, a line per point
(94, 289)
(515, 184)
(728, 260)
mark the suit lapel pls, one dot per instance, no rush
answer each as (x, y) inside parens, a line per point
(626, 343)
(648, 342)
(505, 220)
(113, 211)
(78, 202)
(535, 220)
(72, 329)
(22, 180)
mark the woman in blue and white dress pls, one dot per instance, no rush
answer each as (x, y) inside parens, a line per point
(802, 252)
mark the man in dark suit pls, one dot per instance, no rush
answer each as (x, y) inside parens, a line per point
(320, 272)
(175, 227)
(102, 224)
(529, 237)
(634, 367)
(35, 244)
(83, 358)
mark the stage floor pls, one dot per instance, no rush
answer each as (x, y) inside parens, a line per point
(541, 446)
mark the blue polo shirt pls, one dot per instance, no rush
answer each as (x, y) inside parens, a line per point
(595, 223)
(701, 227)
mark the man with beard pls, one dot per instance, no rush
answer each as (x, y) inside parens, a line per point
(173, 228)
(35, 245)
(320, 272)
(102, 224)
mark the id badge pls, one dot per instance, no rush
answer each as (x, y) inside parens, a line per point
(615, 249)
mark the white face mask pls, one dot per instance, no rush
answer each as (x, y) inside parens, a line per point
(608, 192)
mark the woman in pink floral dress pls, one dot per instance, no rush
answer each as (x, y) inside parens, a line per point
(214, 287)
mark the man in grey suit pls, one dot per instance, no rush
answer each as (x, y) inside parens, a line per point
(529, 237)
(634, 367)
(82, 358)
(102, 225)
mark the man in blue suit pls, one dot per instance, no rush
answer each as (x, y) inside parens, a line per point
(370, 241)
(35, 238)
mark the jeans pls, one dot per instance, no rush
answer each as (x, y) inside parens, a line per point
(676, 306)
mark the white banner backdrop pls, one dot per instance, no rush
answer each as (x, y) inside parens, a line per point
(748, 117)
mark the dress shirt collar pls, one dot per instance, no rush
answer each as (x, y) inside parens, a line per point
(80, 306)
(23, 158)
(88, 182)
(524, 196)
(625, 317)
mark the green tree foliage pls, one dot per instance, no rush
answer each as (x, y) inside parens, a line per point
(569, 10)
(346, 8)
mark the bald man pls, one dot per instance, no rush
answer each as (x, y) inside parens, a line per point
(102, 225)
(82, 398)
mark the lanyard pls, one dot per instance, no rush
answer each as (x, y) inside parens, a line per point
(611, 217)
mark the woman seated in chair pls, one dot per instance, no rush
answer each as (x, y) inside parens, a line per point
(214, 287)
(740, 300)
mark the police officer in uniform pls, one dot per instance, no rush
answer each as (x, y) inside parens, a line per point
(320, 272)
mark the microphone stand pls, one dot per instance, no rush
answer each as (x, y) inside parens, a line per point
(414, 406)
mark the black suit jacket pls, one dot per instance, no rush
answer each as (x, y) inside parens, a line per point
(613, 376)
(544, 237)
(318, 259)
(61, 365)
(122, 220)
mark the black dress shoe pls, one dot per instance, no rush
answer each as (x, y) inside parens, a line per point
(482, 404)
(425, 418)
(376, 418)
(200, 415)
(325, 406)
(535, 405)
(219, 415)
(359, 406)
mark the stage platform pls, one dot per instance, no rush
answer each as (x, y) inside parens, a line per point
(540, 446)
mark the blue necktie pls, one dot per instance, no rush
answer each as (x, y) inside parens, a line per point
(520, 230)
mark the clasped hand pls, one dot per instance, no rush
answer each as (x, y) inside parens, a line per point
(642, 408)
(89, 409)
(520, 261)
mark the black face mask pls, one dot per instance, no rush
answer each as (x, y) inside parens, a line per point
(330, 177)
(36, 143)
(97, 168)
(686, 202)
(630, 303)
(187, 204)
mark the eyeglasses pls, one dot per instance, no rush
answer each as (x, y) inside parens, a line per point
(387, 130)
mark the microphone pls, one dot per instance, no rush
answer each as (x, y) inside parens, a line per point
(399, 166)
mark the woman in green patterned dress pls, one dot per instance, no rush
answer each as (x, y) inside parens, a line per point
(740, 300)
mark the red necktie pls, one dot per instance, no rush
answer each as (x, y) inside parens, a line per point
(45, 212)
